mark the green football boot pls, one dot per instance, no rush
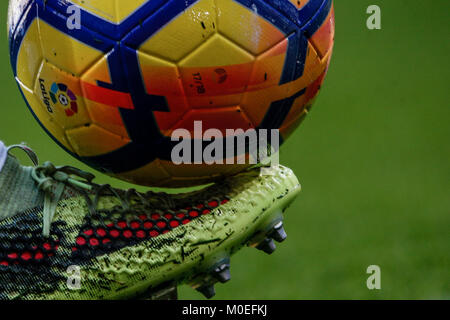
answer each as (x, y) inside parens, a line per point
(81, 240)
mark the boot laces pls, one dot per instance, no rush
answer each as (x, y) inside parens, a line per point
(52, 181)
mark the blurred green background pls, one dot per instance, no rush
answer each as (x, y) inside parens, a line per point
(373, 158)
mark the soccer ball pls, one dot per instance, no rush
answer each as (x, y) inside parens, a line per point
(111, 80)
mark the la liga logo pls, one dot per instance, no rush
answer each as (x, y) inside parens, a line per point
(61, 95)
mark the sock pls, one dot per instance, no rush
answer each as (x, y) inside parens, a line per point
(18, 190)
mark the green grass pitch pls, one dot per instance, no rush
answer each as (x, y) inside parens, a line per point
(373, 158)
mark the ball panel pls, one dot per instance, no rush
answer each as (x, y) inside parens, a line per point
(183, 33)
(111, 10)
(125, 9)
(53, 128)
(262, 94)
(102, 104)
(129, 14)
(299, 4)
(268, 67)
(246, 28)
(106, 9)
(266, 74)
(162, 78)
(107, 117)
(299, 12)
(216, 74)
(66, 52)
(314, 88)
(92, 140)
(314, 66)
(61, 96)
(217, 51)
(323, 39)
(99, 71)
(301, 107)
(296, 110)
(217, 118)
(30, 57)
